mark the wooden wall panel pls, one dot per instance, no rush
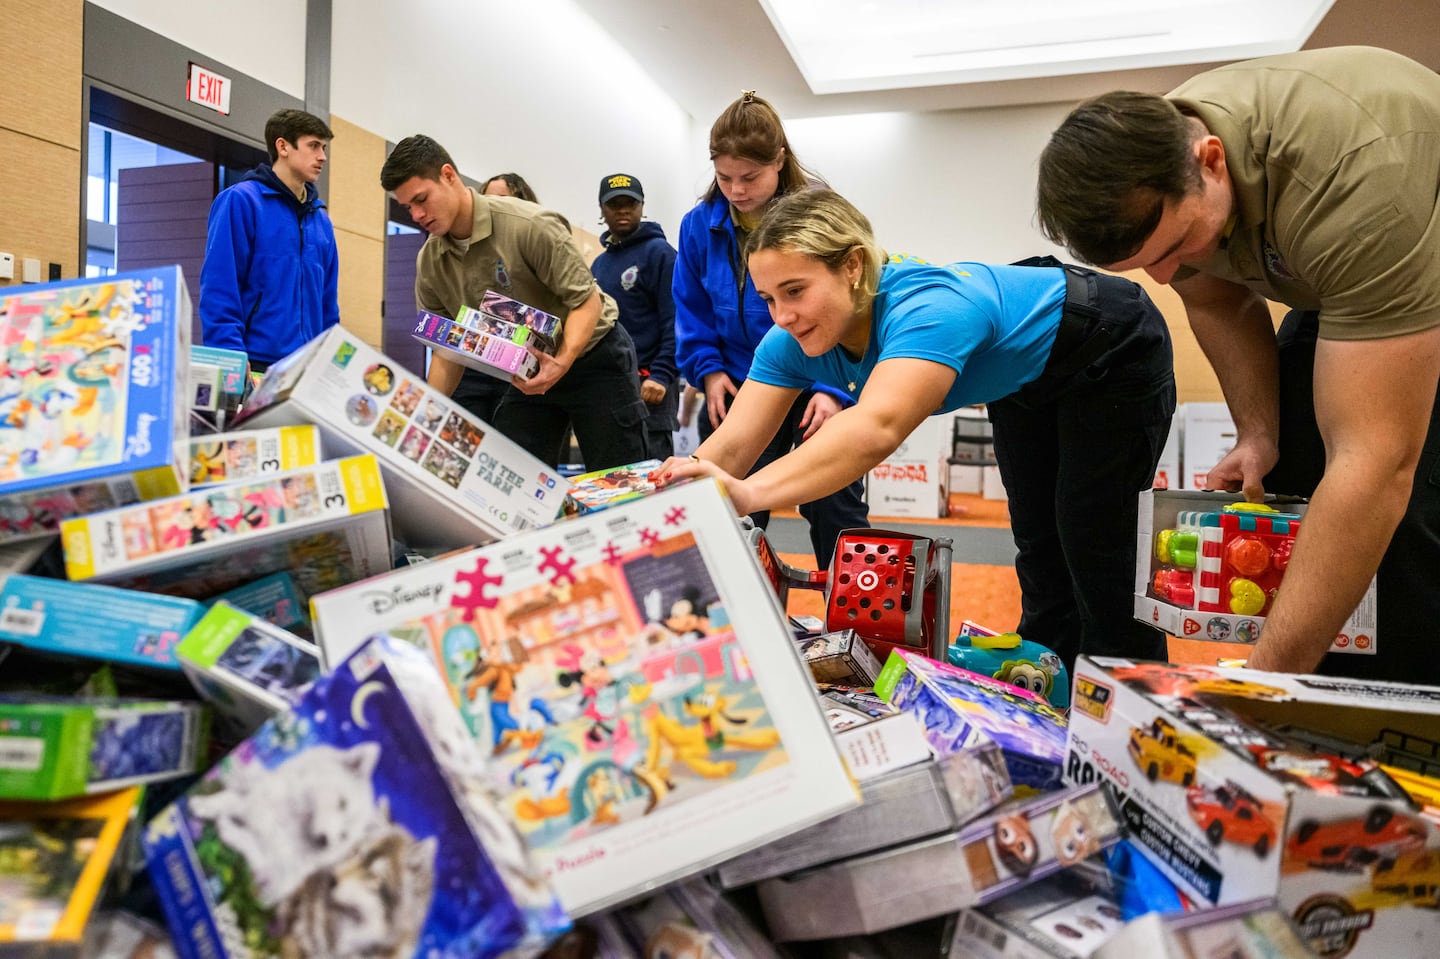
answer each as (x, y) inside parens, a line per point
(362, 277)
(356, 202)
(39, 202)
(40, 69)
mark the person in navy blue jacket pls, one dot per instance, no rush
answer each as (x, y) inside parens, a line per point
(635, 269)
(269, 282)
(720, 319)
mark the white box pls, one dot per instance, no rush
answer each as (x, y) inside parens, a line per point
(915, 479)
(452, 479)
(991, 486)
(1167, 470)
(966, 479)
(1208, 434)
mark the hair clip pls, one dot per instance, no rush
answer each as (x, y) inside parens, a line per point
(747, 96)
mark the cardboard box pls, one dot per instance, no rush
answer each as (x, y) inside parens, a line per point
(277, 600)
(1208, 433)
(1253, 930)
(648, 688)
(1169, 596)
(55, 616)
(482, 343)
(1006, 849)
(841, 658)
(594, 491)
(54, 748)
(452, 479)
(366, 801)
(1232, 811)
(219, 381)
(915, 479)
(96, 398)
(249, 454)
(1059, 917)
(327, 524)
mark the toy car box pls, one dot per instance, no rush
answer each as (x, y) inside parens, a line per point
(1206, 571)
(53, 748)
(590, 492)
(646, 712)
(59, 860)
(327, 524)
(481, 342)
(96, 622)
(452, 480)
(961, 708)
(95, 396)
(1232, 806)
(355, 824)
(1009, 847)
(247, 454)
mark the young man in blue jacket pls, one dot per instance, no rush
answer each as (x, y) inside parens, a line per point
(635, 269)
(269, 282)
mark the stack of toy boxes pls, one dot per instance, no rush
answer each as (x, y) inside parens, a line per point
(452, 480)
(1063, 916)
(1233, 809)
(485, 342)
(1207, 567)
(915, 479)
(94, 398)
(630, 753)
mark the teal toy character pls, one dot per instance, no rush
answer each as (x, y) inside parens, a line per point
(1017, 661)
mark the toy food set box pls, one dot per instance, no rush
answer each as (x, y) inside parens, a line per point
(1241, 784)
(691, 920)
(1208, 568)
(219, 380)
(481, 342)
(327, 524)
(1250, 930)
(55, 860)
(1062, 916)
(926, 799)
(994, 855)
(841, 658)
(1010, 659)
(354, 824)
(250, 454)
(596, 490)
(960, 708)
(54, 748)
(452, 479)
(275, 599)
(92, 396)
(247, 669)
(645, 710)
(96, 622)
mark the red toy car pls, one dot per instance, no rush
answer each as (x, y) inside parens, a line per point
(1230, 813)
(1380, 836)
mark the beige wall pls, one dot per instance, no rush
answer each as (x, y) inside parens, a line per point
(40, 128)
(357, 209)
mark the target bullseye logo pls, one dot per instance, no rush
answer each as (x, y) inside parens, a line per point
(867, 580)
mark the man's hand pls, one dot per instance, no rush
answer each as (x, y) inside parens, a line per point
(1244, 469)
(718, 386)
(652, 392)
(821, 407)
(552, 368)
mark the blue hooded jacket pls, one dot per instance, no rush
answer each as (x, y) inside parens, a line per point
(636, 272)
(718, 322)
(269, 282)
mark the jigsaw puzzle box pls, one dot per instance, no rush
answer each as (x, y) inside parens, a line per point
(633, 681)
(482, 343)
(453, 480)
(247, 454)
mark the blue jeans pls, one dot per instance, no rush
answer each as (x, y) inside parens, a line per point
(1075, 448)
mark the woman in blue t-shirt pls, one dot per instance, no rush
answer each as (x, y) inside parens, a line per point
(1075, 366)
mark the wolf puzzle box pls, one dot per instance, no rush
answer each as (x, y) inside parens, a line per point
(453, 480)
(92, 396)
(355, 824)
(646, 712)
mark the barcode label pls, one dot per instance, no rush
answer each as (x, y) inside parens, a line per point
(972, 927)
(23, 622)
(22, 753)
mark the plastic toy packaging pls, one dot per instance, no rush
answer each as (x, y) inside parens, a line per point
(1016, 661)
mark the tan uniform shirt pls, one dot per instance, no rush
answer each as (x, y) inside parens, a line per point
(1335, 159)
(515, 248)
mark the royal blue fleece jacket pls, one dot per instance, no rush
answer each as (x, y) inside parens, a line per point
(269, 282)
(636, 272)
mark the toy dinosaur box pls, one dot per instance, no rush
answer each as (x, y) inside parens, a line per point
(1207, 567)
(54, 748)
(633, 681)
(1241, 784)
(453, 480)
(56, 862)
(326, 524)
(355, 824)
(92, 396)
(64, 618)
(248, 454)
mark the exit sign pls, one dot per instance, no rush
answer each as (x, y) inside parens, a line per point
(208, 89)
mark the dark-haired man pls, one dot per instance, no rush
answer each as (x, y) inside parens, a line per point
(270, 278)
(479, 243)
(1311, 179)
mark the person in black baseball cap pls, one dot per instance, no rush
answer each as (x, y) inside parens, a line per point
(619, 185)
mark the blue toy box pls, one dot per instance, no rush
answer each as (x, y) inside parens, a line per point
(1010, 659)
(276, 599)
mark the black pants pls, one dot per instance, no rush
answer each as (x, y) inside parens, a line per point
(1075, 448)
(479, 394)
(1407, 645)
(828, 516)
(661, 422)
(599, 398)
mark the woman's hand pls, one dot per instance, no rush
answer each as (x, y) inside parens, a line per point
(718, 388)
(821, 407)
(678, 468)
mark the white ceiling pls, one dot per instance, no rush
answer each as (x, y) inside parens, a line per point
(704, 52)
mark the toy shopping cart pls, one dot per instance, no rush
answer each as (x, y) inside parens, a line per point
(892, 588)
